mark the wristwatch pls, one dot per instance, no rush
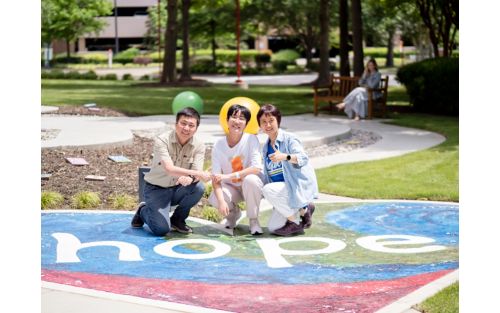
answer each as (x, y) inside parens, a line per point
(288, 157)
(192, 177)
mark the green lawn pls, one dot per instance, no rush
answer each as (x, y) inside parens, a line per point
(445, 301)
(133, 99)
(430, 174)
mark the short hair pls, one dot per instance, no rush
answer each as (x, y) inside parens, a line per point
(235, 108)
(189, 112)
(269, 109)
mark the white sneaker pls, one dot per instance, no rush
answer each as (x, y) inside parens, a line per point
(232, 219)
(255, 228)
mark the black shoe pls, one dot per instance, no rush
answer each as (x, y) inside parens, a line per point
(182, 228)
(290, 228)
(137, 221)
(306, 220)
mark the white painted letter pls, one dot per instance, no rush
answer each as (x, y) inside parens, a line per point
(167, 249)
(274, 253)
(372, 243)
(68, 245)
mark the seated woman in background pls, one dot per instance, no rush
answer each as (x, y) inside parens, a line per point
(356, 103)
(290, 181)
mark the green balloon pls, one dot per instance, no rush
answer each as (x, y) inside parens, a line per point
(187, 99)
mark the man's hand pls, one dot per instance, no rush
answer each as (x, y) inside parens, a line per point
(205, 176)
(217, 178)
(184, 181)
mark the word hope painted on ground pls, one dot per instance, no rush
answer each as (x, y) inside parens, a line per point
(68, 246)
(357, 257)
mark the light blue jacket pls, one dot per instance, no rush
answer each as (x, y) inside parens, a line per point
(300, 178)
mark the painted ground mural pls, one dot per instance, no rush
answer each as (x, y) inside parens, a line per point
(356, 258)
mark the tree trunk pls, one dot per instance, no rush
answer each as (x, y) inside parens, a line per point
(345, 69)
(324, 51)
(357, 37)
(214, 56)
(68, 51)
(425, 12)
(169, 62)
(389, 58)
(185, 74)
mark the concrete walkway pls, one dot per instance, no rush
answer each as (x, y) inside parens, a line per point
(96, 132)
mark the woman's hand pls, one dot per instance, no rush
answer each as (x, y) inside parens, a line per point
(277, 157)
(217, 178)
(223, 208)
(205, 176)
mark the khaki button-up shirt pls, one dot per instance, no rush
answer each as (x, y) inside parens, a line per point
(167, 148)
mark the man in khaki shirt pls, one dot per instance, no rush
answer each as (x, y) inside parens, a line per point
(175, 177)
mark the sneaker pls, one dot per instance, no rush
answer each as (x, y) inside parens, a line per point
(182, 228)
(255, 228)
(137, 221)
(306, 220)
(290, 228)
(232, 219)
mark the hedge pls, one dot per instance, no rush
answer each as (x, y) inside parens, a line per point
(432, 85)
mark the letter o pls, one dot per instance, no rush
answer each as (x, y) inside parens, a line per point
(167, 249)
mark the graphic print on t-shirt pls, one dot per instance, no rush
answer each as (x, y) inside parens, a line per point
(237, 165)
(275, 170)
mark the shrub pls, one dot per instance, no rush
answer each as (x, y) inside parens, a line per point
(208, 190)
(203, 66)
(211, 214)
(89, 75)
(262, 58)
(95, 58)
(57, 74)
(432, 85)
(127, 77)
(51, 200)
(122, 201)
(85, 200)
(145, 77)
(280, 65)
(126, 56)
(287, 55)
(110, 76)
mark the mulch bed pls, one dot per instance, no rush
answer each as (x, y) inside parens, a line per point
(121, 178)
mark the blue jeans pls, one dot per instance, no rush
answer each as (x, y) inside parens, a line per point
(159, 200)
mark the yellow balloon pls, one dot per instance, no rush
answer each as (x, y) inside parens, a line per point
(252, 126)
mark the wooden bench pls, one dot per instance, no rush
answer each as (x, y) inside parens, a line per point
(341, 86)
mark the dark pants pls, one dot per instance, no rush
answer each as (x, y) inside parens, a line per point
(159, 200)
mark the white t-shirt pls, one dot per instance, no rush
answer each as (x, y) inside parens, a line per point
(226, 160)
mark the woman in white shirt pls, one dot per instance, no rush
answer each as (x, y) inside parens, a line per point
(236, 171)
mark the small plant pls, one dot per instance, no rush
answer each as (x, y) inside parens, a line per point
(111, 76)
(242, 205)
(208, 190)
(51, 200)
(127, 77)
(86, 200)
(211, 214)
(122, 201)
(145, 77)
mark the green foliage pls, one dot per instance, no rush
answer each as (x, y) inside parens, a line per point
(445, 301)
(145, 77)
(67, 19)
(109, 76)
(126, 56)
(204, 66)
(122, 201)
(208, 190)
(287, 55)
(280, 65)
(432, 85)
(51, 200)
(94, 58)
(57, 74)
(211, 214)
(127, 77)
(86, 200)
